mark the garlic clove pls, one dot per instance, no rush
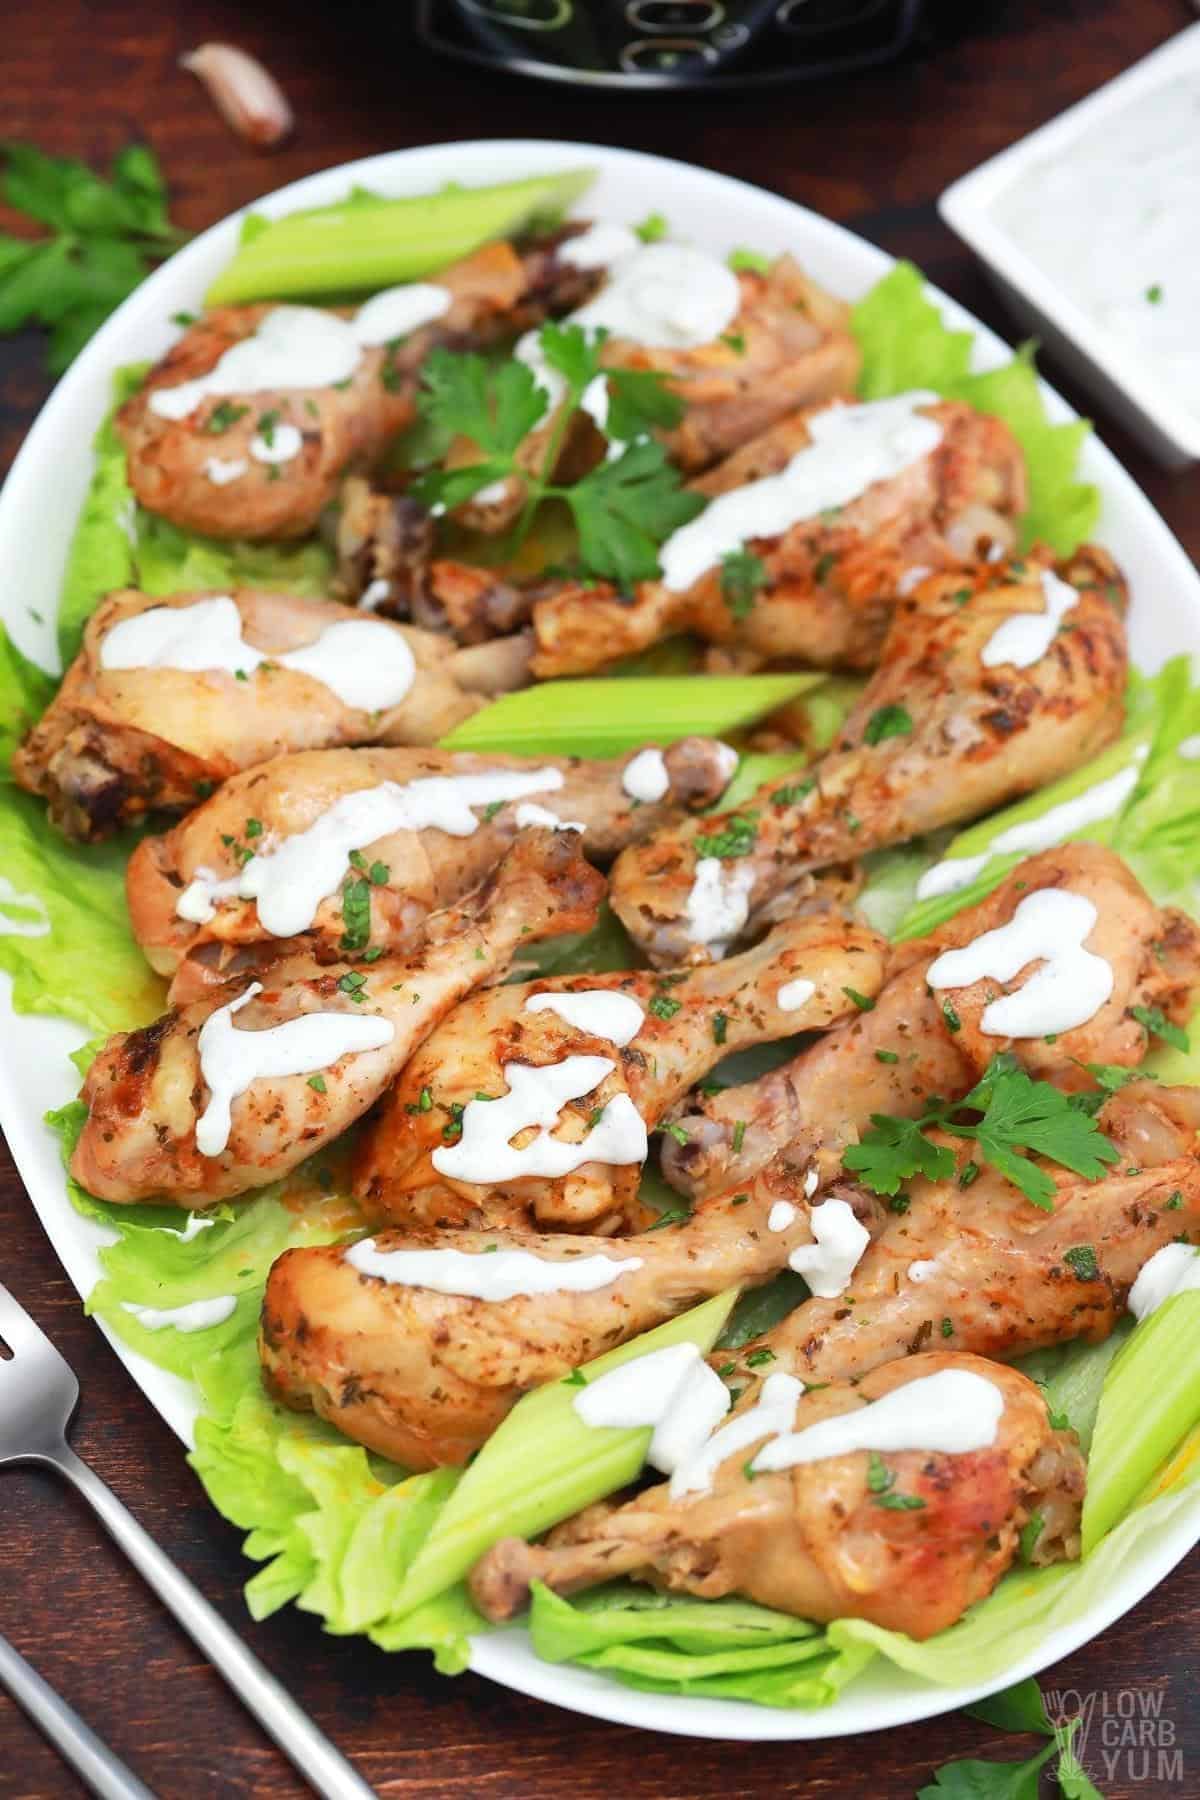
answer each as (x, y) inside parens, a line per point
(245, 94)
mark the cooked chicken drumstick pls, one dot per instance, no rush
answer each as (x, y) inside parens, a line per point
(392, 833)
(659, 1037)
(168, 697)
(943, 732)
(425, 1376)
(894, 1057)
(814, 1539)
(245, 426)
(983, 1267)
(203, 1104)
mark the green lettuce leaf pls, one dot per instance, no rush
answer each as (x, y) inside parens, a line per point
(906, 345)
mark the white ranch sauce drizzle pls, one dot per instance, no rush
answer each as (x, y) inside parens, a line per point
(366, 663)
(529, 813)
(197, 1315)
(775, 1412)
(718, 903)
(479, 1275)
(196, 1223)
(812, 1182)
(284, 443)
(374, 595)
(221, 470)
(485, 1154)
(1099, 802)
(840, 1239)
(598, 1011)
(672, 1389)
(599, 246)
(921, 1271)
(1024, 638)
(852, 448)
(232, 1061)
(305, 347)
(954, 1412)
(1072, 985)
(645, 777)
(795, 994)
(290, 880)
(781, 1215)
(1175, 1269)
(10, 927)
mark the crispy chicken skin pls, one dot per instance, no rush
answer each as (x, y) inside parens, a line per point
(426, 870)
(426, 1377)
(813, 1540)
(146, 1090)
(788, 346)
(977, 737)
(828, 1093)
(831, 585)
(995, 1266)
(496, 292)
(115, 744)
(708, 1014)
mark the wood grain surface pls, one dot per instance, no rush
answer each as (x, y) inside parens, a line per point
(872, 151)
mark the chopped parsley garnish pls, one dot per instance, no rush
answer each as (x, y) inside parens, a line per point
(663, 1007)
(317, 1083)
(888, 722)
(1158, 1025)
(900, 1502)
(720, 1027)
(758, 1357)
(576, 1378)
(950, 1014)
(266, 427)
(490, 810)
(736, 837)
(356, 913)
(947, 1328)
(253, 828)
(1081, 1260)
(739, 1133)
(1031, 1531)
(824, 567)
(675, 1131)
(886, 1056)
(352, 983)
(224, 415)
(1154, 293)
(743, 576)
(1014, 1113)
(652, 229)
(794, 792)
(862, 1001)
(735, 341)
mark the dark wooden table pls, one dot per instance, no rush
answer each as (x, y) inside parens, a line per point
(872, 151)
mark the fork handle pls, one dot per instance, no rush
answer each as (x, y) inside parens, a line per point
(76, 1743)
(321, 1764)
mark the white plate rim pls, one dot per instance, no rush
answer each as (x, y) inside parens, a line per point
(36, 1076)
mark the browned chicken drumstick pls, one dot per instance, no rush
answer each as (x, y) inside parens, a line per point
(819, 1539)
(236, 1090)
(299, 852)
(244, 428)
(979, 698)
(659, 1036)
(892, 1058)
(168, 697)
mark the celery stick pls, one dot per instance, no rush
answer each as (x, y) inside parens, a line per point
(1150, 1401)
(607, 717)
(543, 1464)
(365, 242)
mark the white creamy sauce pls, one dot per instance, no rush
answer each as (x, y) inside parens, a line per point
(197, 1315)
(718, 903)
(812, 1182)
(221, 470)
(1025, 638)
(37, 926)
(1109, 218)
(484, 1153)
(775, 1412)
(289, 880)
(600, 1012)
(852, 448)
(366, 663)
(921, 1271)
(828, 1264)
(492, 494)
(529, 813)
(645, 777)
(304, 347)
(232, 1061)
(599, 247)
(781, 1215)
(954, 1411)
(496, 1275)
(284, 442)
(374, 595)
(1103, 800)
(1175, 1269)
(912, 578)
(1072, 985)
(196, 1223)
(672, 1389)
(795, 994)
(1189, 748)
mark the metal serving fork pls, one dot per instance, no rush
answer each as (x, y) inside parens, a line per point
(38, 1397)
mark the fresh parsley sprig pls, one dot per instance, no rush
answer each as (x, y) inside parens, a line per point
(103, 238)
(624, 509)
(1014, 1113)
